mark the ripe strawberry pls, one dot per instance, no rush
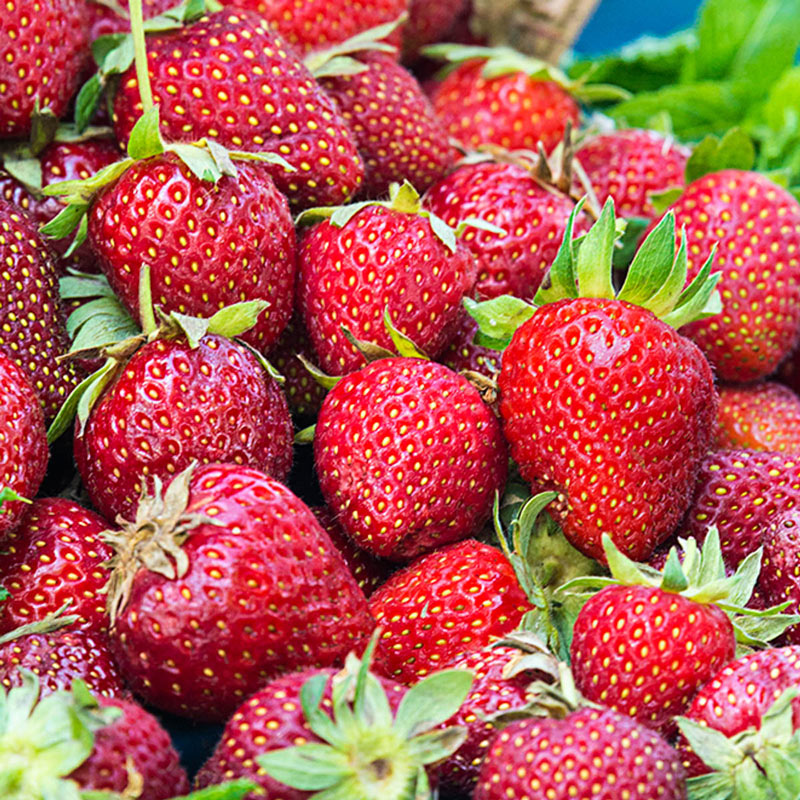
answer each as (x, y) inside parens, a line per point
(590, 753)
(53, 557)
(463, 354)
(443, 605)
(369, 259)
(393, 123)
(755, 225)
(506, 195)
(408, 456)
(32, 332)
(23, 443)
(779, 580)
(207, 245)
(276, 105)
(762, 416)
(429, 23)
(44, 47)
(172, 404)
(629, 166)
(233, 552)
(603, 401)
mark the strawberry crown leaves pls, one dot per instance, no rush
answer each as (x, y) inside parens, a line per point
(757, 763)
(366, 751)
(10, 496)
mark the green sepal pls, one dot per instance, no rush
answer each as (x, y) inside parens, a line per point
(561, 280)
(735, 150)
(322, 378)
(145, 139)
(307, 767)
(230, 790)
(306, 435)
(236, 319)
(87, 101)
(44, 125)
(428, 748)
(717, 750)
(53, 621)
(594, 259)
(432, 701)
(66, 221)
(370, 350)
(403, 344)
(22, 165)
(498, 319)
(10, 496)
(661, 201)
(265, 363)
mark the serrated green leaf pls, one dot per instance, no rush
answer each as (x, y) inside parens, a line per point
(307, 767)
(713, 748)
(432, 701)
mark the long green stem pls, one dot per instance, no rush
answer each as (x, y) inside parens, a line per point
(140, 54)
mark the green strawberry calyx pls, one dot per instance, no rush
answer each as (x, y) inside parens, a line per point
(369, 753)
(43, 739)
(54, 621)
(699, 574)
(8, 495)
(757, 764)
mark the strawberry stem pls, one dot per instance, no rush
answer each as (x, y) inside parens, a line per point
(140, 54)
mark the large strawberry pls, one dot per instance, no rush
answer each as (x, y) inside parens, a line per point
(223, 582)
(409, 457)
(602, 399)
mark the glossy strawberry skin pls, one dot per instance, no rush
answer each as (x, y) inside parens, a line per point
(136, 739)
(266, 592)
(23, 442)
(613, 409)
(408, 456)
(739, 695)
(380, 259)
(629, 166)
(278, 107)
(447, 603)
(172, 404)
(512, 110)
(43, 46)
(32, 331)
(779, 579)
(59, 658)
(755, 225)
(761, 416)
(55, 556)
(644, 652)
(505, 195)
(590, 753)
(397, 132)
(207, 245)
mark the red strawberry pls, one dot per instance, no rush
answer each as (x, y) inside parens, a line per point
(506, 195)
(779, 580)
(762, 416)
(32, 332)
(629, 166)
(105, 20)
(429, 23)
(53, 557)
(172, 404)
(408, 456)
(355, 267)
(23, 442)
(44, 47)
(257, 589)
(463, 354)
(755, 225)
(277, 106)
(591, 753)
(450, 602)
(207, 245)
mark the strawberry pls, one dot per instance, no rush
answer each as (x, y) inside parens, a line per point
(214, 554)
(429, 23)
(602, 400)
(106, 20)
(367, 260)
(532, 218)
(445, 604)
(629, 166)
(275, 105)
(23, 444)
(207, 245)
(408, 456)
(755, 226)
(53, 557)
(463, 354)
(44, 47)
(32, 332)
(779, 580)
(761, 416)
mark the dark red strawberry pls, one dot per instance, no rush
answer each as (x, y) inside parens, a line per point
(761, 416)
(366, 260)
(23, 443)
(43, 46)
(236, 584)
(779, 580)
(207, 245)
(429, 23)
(630, 166)
(408, 456)
(443, 605)
(54, 557)
(463, 354)
(276, 105)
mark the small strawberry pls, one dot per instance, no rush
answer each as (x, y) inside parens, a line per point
(53, 557)
(443, 605)
(761, 416)
(408, 456)
(230, 551)
(366, 260)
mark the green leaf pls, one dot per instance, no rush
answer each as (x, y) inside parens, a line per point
(311, 694)
(25, 168)
(715, 749)
(76, 285)
(323, 379)
(674, 579)
(626, 245)
(651, 265)
(87, 101)
(68, 410)
(338, 67)
(193, 328)
(80, 236)
(428, 748)
(500, 317)
(199, 160)
(734, 151)
(263, 157)
(624, 570)
(661, 201)
(230, 790)
(403, 344)
(699, 299)
(237, 319)
(443, 232)
(561, 282)
(307, 767)
(145, 140)
(65, 221)
(432, 701)
(82, 191)
(712, 786)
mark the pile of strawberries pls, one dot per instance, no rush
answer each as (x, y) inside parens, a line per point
(435, 441)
